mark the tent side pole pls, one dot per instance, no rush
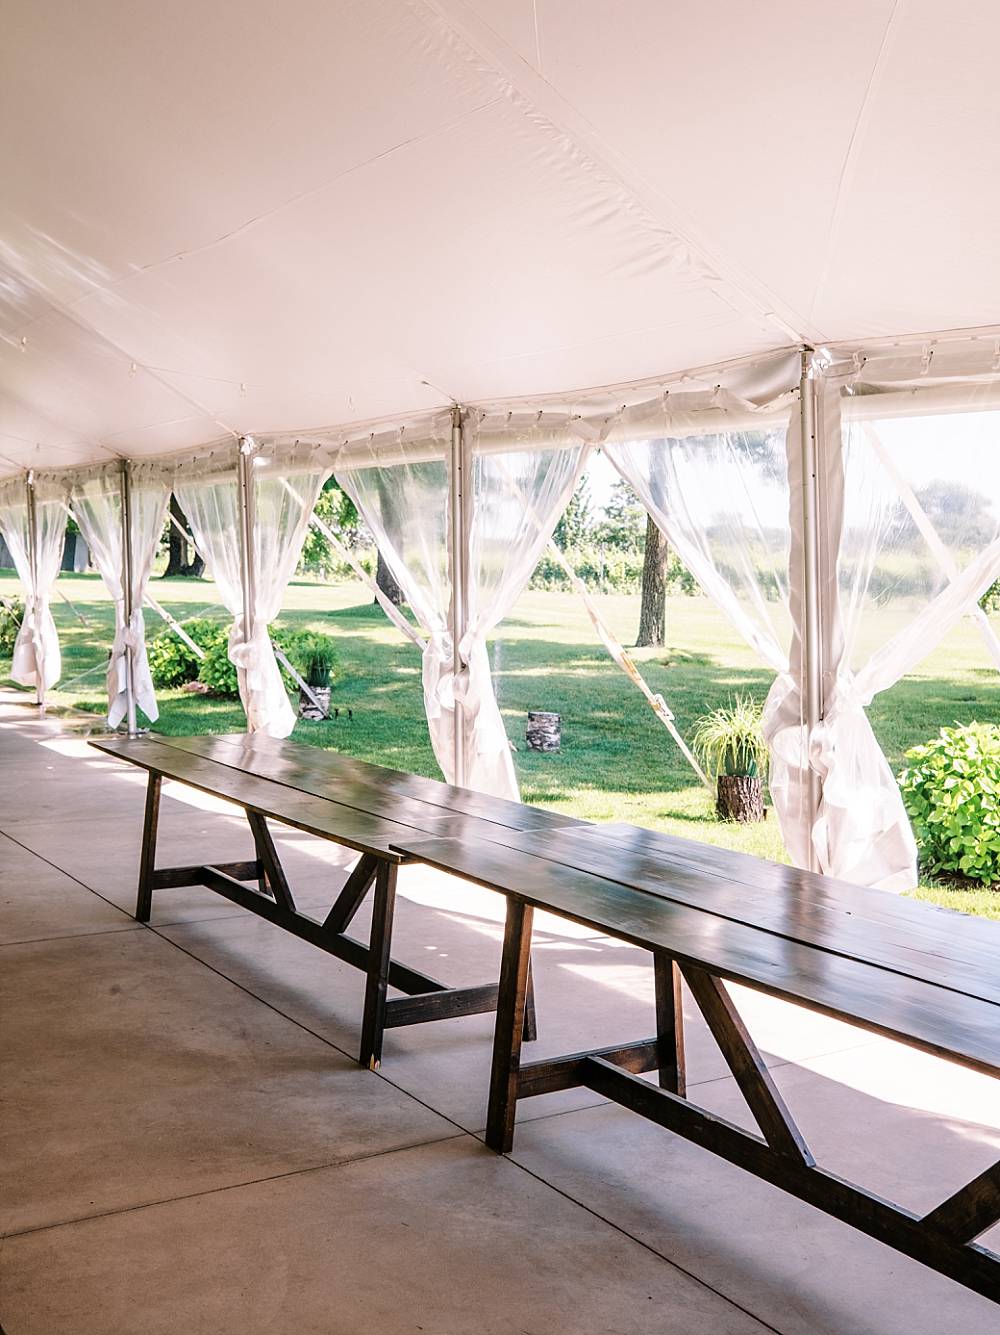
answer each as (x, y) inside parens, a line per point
(812, 647)
(458, 530)
(127, 603)
(32, 515)
(244, 474)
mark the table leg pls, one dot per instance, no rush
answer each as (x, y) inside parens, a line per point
(669, 1024)
(373, 1024)
(509, 1030)
(147, 861)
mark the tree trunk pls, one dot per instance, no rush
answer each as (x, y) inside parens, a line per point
(653, 612)
(177, 562)
(739, 797)
(177, 559)
(384, 579)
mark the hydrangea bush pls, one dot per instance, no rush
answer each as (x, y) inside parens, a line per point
(951, 790)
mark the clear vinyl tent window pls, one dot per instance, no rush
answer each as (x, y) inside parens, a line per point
(400, 484)
(248, 505)
(516, 474)
(720, 473)
(912, 539)
(97, 505)
(33, 523)
(922, 503)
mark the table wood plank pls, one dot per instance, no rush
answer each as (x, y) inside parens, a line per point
(344, 823)
(943, 1022)
(797, 883)
(919, 943)
(312, 770)
(320, 816)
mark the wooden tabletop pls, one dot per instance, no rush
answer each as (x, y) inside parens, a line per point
(343, 778)
(903, 936)
(948, 1020)
(895, 966)
(360, 806)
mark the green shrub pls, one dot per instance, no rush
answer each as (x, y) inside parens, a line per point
(219, 674)
(951, 790)
(313, 655)
(607, 570)
(172, 662)
(11, 616)
(730, 740)
(990, 601)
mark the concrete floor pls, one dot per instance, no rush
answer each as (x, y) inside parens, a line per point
(187, 1145)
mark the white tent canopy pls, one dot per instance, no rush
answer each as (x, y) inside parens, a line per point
(265, 218)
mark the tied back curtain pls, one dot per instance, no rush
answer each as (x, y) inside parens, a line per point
(911, 501)
(713, 471)
(519, 474)
(399, 483)
(37, 641)
(97, 504)
(285, 484)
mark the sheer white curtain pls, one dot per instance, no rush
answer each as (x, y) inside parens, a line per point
(97, 504)
(910, 499)
(208, 489)
(37, 642)
(399, 482)
(287, 481)
(519, 473)
(712, 469)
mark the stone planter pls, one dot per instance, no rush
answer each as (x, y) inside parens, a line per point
(306, 707)
(543, 732)
(739, 797)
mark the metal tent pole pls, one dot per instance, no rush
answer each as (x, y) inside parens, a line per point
(127, 601)
(36, 639)
(812, 645)
(244, 468)
(459, 531)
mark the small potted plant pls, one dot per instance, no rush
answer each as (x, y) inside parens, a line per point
(732, 746)
(316, 661)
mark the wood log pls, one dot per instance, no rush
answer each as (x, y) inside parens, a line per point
(739, 797)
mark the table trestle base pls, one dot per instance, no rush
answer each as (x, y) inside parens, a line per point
(943, 1238)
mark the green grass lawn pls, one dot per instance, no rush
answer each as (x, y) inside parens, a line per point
(617, 761)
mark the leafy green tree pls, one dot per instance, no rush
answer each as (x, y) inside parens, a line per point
(963, 516)
(623, 526)
(338, 512)
(576, 523)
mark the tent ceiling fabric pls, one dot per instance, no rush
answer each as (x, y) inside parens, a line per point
(257, 218)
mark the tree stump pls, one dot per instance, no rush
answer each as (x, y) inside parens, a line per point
(739, 797)
(543, 730)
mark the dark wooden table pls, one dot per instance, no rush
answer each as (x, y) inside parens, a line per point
(362, 807)
(923, 976)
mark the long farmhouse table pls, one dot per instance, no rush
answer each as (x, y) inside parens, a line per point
(924, 976)
(366, 808)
